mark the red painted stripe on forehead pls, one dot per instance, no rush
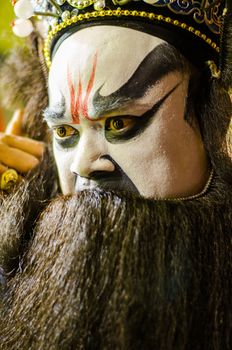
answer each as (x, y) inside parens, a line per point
(73, 106)
(78, 100)
(71, 92)
(77, 105)
(89, 89)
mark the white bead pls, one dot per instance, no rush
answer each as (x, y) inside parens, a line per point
(66, 15)
(99, 5)
(23, 9)
(22, 27)
(74, 12)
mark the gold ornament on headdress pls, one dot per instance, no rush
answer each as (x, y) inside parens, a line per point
(120, 13)
(60, 14)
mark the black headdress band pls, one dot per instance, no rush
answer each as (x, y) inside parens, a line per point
(200, 29)
(196, 51)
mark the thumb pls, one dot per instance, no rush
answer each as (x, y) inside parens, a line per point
(14, 127)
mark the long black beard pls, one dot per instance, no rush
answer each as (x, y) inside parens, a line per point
(114, 271)
(110, 271)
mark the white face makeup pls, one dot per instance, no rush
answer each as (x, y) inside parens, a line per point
(117, 103)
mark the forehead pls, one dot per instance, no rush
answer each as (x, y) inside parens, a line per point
(119, 52)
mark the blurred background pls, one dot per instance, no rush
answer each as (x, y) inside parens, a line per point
(7, 41)
(6, 36)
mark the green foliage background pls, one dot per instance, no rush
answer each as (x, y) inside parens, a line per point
(7, 38)
(7, 41)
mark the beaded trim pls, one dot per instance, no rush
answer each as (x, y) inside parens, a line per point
(195, 196)
(117, 13)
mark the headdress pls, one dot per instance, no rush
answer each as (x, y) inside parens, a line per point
(196, 27)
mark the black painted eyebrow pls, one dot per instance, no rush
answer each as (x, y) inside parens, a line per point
(161, 61)
(142, 122)
(54, 113)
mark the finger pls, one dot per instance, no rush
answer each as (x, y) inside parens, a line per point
(25, 144)
(14, 127)
(17, 159)
(3, 168)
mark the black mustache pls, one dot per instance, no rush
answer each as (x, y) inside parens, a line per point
(116, 179)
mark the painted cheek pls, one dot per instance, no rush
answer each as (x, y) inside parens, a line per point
(158, 161)
(66, 178)
(145, 159)
(135, 157)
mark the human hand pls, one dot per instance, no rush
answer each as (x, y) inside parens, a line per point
(18, 154)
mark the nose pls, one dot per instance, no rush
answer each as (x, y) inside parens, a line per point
(91, 155)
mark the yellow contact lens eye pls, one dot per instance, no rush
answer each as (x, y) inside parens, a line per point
(64, 131)
(117, 124)
(61, 131)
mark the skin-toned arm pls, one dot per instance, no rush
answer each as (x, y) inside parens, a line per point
(18, 152)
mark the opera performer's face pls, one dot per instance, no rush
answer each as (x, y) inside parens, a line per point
(117, 105)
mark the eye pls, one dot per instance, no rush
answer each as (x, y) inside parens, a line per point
(118, 124)
(63, 131)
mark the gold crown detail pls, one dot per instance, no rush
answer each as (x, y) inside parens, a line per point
(203, 18)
